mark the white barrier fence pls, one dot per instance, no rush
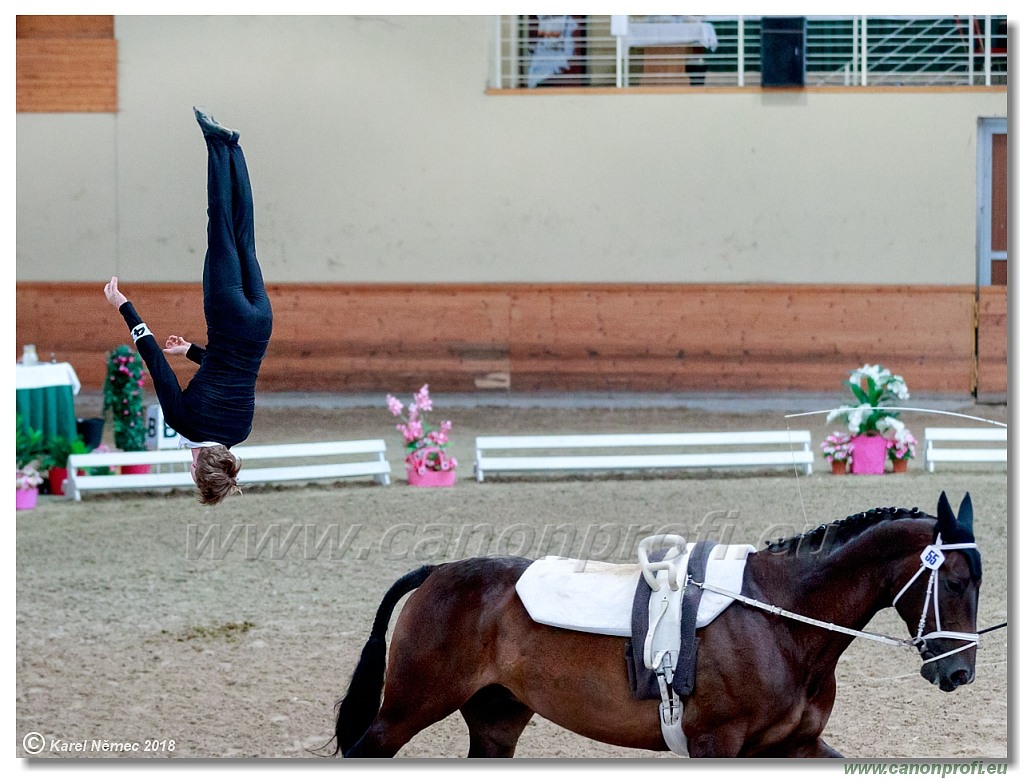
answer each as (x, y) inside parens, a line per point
(966, 448)
(745, 449)
(325, 467)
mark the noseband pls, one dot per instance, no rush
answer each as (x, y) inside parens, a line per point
(931, 560)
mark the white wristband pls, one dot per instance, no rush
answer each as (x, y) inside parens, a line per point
(140, 331)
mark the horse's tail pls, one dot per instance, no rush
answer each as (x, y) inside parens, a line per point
(361, 702)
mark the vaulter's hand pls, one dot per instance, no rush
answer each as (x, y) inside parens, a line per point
(177, 346)
(114, 296)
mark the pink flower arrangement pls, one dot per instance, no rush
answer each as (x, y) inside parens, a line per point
(902, 445)
(838, 447)
(424, 444)
(28, 477)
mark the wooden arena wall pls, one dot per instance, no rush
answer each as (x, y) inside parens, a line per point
(561, 337)
(66, 63)
(992, 356)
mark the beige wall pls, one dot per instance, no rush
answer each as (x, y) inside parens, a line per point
(377, 156)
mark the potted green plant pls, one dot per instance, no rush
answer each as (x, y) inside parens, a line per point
(29, 451)
(123, 399)
(28, 441)
(877, 392)
(58, 450)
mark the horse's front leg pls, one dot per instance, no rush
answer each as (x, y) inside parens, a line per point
(723, 742)
(813, 749)
(727, 742)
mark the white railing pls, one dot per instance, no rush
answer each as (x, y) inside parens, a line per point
(698, 51)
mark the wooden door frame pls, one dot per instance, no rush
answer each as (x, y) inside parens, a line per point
(991, 365)
(987, 128)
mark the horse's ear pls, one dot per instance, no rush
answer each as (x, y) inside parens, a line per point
(965, 516)
(958, 528)
(945, 513)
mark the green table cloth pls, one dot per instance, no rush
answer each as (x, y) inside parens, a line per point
(46, 398)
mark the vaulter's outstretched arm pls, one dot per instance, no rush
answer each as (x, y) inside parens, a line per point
(165, 382)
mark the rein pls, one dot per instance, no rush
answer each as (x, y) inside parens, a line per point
(931, 559)
(772, 609)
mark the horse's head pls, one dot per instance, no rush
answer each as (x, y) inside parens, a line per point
(939, 602)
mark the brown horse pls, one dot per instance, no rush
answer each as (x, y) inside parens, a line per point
(765, 683)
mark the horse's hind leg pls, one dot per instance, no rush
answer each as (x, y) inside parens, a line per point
(374, 743)
(442, 654)
(399, 720)
(496, 720)
(427, 679)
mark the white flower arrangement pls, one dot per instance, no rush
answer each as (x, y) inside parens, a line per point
(876, 390)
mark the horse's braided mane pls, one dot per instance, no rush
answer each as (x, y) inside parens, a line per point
(840, 530)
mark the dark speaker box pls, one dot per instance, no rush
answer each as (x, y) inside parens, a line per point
(783, 51)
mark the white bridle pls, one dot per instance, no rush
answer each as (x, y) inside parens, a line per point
(931, 560)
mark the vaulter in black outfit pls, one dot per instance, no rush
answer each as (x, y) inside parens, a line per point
(218, 404)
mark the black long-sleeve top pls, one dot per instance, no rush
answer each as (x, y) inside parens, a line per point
(218, 403)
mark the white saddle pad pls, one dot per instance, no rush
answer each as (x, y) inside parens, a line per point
(597, 597)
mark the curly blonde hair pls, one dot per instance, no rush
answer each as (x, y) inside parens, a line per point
(216, 473)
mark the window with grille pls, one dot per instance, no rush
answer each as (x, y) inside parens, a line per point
(542, 52)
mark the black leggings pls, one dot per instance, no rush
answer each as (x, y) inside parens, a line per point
(234, 299)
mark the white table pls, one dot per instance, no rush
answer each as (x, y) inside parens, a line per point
(42, 375)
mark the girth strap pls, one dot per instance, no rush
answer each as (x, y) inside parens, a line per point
(686, 667)
(670, 642)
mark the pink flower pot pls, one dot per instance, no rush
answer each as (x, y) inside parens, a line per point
(25, 499)
(431, 478)
(869, 451)
(134, 469)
